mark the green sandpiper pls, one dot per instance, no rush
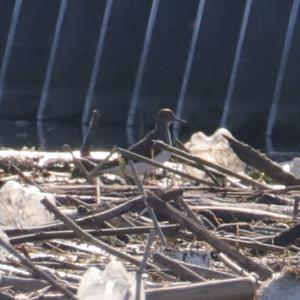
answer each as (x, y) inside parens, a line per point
(144, 147)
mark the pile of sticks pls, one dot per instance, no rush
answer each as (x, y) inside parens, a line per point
(250, 230)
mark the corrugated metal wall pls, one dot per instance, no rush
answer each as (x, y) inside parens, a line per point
(217, 63)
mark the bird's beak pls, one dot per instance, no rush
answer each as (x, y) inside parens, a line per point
(176, 119)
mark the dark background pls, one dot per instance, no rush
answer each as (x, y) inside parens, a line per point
(59, 120)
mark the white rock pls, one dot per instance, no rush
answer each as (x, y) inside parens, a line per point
(3, 253)
(20, 206)
(114, 283)
(214, 148)
(281, 287)
(293, 166)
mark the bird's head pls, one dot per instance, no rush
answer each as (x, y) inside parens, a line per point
(167, 115)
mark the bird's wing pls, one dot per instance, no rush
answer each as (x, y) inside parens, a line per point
(110, 164)
(145, 146)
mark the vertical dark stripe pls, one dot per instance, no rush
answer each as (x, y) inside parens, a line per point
(58, 28)
(189, 63)
(141, 69)
(98, 54)
(235, 65)
(281, 71)
(9, 44)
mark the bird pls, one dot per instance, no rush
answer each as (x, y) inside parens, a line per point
(165, 117)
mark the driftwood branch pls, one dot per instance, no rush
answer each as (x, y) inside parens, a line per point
(134, 156)
(229, 289)
(177, 268)
(26, 262)
(36, 235)
(23, 284)
(217, 167)
(90, 133)
(286, 237)
(259, 161)
(228, 214)
(176, 216)
(208, 272)
(87, 237)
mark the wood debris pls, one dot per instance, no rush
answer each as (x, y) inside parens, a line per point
(244, 233)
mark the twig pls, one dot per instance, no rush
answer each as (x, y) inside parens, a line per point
(202, 220)
(69, 234)
(79, 202)
(224, 170)
(98, 191)
(79, 164)
(208, 272)
(95, 172)
(241, 213)
(261, 162)
(231, 265)
(86, 236)
(24, 284)
(150, 209)
(26, 262)
(255, 245)
(296, 207)
(134, 156)
(89, 136)
(176, 216)
(209, 173)
(25, 178)
(286, 237)
(240, 288)
(134, 204)
(141, 269)
(177, 267)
